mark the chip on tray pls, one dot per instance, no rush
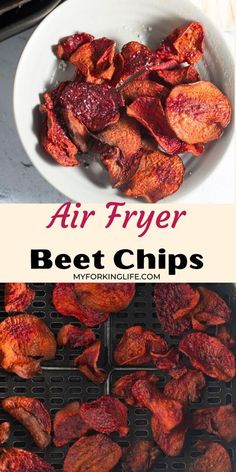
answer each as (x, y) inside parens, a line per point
(87, 363)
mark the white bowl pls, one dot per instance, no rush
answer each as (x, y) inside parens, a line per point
(148, 21)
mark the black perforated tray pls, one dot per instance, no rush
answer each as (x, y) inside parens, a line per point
(60, 383)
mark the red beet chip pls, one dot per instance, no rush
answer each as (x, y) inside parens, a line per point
(68, 45)
(66, 303)
(170, 412)
(33, 415)
(170, 362)
(173, 300)
(170, 442)
(150, 113)
(209, 355)
(54, 136)
(74, 337)
(106, 415)
(156, 176)
(136, 344)
(17, 297)
(96, 106)
(96, 453)
(186, 388)
(140, 456)
(220, 421)
(203, 108)
(215, 458)
(68, 425)
(136, 58)
(122, 388)
(183, 75)
(95, 60)
(184, 44)
(17, 460)
(110, 297)
(87, 363)
(210, 311)
(224, 335)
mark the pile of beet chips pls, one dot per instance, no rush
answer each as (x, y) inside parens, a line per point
(137, 109)
(184, 312)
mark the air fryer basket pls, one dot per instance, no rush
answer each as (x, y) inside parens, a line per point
(60, 383)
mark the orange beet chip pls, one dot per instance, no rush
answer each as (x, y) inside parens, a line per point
(65, 300)
(33, 415)
(17, 297)
(5, 429)
(187, 388)
(157, 176)
(136, 57)
(150, 113)
(68, 45)
(122, 388)
(198, 113)
(25, 341)
(184, 44)
(210, 311)
(142, 88)
(94, 60)
(209, 355)
(97, 453)
(170, 442)
(18, 460)
(54, 136)
(110, 297)
(74, 337)
(184, 75)
(87, 363)
(215, 458)
(122, 141)
(68, 424)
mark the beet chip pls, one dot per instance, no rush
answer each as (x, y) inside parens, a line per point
(125, 137)
(170, 442)
(215, 458)
(170, 412)
(95, 60)
(122, 388)
(66, 303)
(68, 425)
(87, 363)
(202, 107)
(54, 136)
(111, 297)
(74, 337)
(210, 311)
(220, 421)
(106, 415)
(25, 341)
(169, 362)
(186, 388)
(5, 428)
(150, 113)
(17, 297)
(184, 44)
(224, 335)
(157, 177)
(17, 460)
(95, 106)
(209, 355)
(143, 88)
(140, 456)
(33, 415)
(183, 75)
(96, 453)
(137, 57)
(68, 45)
(175, 300)
(136, 344)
